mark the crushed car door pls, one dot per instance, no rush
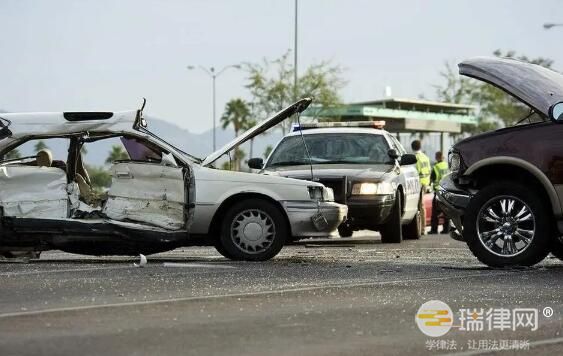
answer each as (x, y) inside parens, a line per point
(149, 193)
(33, 192)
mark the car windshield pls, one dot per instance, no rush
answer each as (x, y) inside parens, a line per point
(331, 148)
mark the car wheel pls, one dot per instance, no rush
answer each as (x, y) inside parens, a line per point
(412, 231)
(506, 224)
(219, 247)
(392, 231)
(253, 230)
(345, 230)
(557, 248)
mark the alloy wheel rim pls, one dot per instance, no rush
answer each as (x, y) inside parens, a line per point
(506, 226)
(253, 231)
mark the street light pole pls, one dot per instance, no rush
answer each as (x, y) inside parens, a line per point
(295, 56)
(214, 77)
(213, 74)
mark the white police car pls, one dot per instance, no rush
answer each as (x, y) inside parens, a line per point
(368, 169)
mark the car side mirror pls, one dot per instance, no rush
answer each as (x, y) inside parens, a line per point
(556, 112)
(393, 153)
(256, 163)
(408, 158)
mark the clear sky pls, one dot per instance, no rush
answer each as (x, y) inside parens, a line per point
(62, 55)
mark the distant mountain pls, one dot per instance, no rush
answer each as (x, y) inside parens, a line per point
(201, 145)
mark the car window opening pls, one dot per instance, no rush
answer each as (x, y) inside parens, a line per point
(88, 181)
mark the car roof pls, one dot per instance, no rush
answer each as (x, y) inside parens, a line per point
(64, 123)
(326, 130)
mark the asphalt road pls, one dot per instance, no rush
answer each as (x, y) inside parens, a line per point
(331, 297)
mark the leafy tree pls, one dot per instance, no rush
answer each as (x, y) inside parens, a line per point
(267, 151)
(40, 145)
(463, 90)
(226, 166)
(494, 106)
(117, 153)
(99, 177)
(237, 158)
(13, 154)
(271, 86)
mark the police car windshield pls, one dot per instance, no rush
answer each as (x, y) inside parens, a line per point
(331, 148)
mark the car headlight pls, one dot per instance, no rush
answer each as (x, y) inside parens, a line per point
(315, 192)
(372, 188)
(328, 194)
(321, 193)
(454, 162)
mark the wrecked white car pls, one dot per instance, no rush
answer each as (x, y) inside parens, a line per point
(160, 198)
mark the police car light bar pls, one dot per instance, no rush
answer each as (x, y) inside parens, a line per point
(320, 125)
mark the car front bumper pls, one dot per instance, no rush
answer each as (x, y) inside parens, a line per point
(300, 215)
(369, 211)
(453, 201)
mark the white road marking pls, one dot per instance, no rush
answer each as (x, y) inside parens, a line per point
(553, 341)
(240, 295)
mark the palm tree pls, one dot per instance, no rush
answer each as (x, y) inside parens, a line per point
(250, 123)
(117, 153)
(237, 113)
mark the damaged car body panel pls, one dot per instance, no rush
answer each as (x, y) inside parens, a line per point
(39, 192)
(53, 206)
(150, 205)
(149, 193)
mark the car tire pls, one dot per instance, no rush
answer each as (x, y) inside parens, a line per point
(392, 231)
(490, 223)
(219, 247)
(556, 248)
(345, 230)
(253, 230)
(412, 231)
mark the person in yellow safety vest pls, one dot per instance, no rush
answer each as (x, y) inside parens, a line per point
(423, 168)
(439, 170)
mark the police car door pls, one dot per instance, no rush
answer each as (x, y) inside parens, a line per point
(409, 179)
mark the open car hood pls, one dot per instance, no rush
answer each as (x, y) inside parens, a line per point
(533, 84)
(297, 107)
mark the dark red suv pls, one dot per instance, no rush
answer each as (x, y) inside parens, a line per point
(505, 192)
